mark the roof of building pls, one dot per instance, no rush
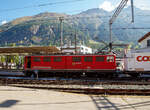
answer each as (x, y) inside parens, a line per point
(31, 50)
(144, 37)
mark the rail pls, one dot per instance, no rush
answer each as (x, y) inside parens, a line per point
(82, 86)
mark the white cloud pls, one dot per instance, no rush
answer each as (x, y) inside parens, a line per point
(106, 5)
(141, 4)
(4, 22)
(110, 5)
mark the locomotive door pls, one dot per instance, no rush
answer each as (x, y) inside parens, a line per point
(88, 63)
(28, 62)
(74, 63)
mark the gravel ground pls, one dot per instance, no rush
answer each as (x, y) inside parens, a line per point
(141, 87)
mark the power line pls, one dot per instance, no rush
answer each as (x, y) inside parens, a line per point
(113, 18)
(41, 5)
(133, 28)
(69, 18)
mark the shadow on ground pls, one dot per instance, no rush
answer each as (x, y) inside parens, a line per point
(8, 103)
(102, 102)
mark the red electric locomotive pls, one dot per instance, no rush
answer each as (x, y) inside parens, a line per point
(70, 64)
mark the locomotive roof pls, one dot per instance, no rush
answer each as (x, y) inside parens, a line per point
(72, 55)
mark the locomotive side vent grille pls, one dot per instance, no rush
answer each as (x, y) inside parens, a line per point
(88, 59)
(76, 59)
(100, 59)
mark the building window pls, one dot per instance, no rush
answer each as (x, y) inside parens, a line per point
(47, 59)
(57, 59)
(100, 59)
(76, 59)
(148, 43)
(88, 59)
(36, 59)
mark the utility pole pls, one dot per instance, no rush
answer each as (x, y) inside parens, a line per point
(132, 9)
(115, 15)
(75, 41)
(61, 32)
(110, 30)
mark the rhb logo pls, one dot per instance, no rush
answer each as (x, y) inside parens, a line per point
(143, 58)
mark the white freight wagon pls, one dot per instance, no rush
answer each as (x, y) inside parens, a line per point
(137, 62)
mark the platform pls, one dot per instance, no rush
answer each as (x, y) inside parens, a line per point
(13, 98)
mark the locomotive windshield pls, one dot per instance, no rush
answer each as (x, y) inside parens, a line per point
(110, 59)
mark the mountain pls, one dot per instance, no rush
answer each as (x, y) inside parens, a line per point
(90, 25)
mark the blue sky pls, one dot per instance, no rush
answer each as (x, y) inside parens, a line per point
(69, 8)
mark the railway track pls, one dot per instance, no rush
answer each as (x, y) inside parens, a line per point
(91, 89)
(71, 81)
(94, 91)
(86, 86)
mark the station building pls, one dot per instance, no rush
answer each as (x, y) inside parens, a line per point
(145, 41)
(80, 49)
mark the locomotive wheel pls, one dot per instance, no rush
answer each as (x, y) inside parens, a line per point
(135, 75)
(109, 76)
(28, 74)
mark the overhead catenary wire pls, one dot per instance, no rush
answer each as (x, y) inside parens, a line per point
(115, 15)
(78, 17)
(85, 17)
(132, 28)
(71, 17)
(41, 5)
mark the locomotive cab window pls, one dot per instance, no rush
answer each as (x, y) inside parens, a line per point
(100, 59)
(76, 59)
(110, 59)
(36, 59)
(57, 59)
(88, 59)
(46, 59)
